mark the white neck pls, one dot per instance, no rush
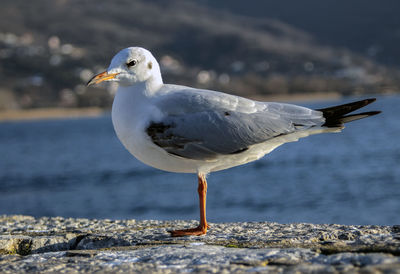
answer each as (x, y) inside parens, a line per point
(153, 84)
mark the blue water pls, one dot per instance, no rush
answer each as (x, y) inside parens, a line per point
(78, 168)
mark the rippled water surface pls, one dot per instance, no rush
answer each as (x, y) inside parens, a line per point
(78, 168)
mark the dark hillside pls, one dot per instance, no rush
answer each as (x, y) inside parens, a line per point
(368, 27)
(48, 50)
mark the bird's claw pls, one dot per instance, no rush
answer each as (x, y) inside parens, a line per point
(197, 231)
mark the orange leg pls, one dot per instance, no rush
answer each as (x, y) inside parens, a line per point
(202, 228)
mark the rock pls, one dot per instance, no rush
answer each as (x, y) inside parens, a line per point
(82, 245)
(21, 245)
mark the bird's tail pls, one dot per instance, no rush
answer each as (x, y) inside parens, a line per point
(336, 116)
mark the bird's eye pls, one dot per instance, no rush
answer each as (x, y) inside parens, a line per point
(131, 63)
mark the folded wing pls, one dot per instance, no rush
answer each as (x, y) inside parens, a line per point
(204, 127)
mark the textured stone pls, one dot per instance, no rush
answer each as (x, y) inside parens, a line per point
(82, 245)
(15, 244)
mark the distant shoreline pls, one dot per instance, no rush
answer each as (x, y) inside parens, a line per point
(49, 113)
(61, 113)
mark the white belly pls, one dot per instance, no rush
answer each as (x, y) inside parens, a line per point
(130, 118)
(132, 113)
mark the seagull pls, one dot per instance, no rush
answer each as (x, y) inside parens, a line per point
(187, 130)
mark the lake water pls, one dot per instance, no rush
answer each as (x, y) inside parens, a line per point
(78, 168)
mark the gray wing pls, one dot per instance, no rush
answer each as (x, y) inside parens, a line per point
(207, 124)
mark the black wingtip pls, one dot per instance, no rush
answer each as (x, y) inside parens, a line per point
(336, 116)
(375, 112)
(358, 116)
(349, 107)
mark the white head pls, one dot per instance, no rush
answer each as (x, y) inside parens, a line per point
(130, 66)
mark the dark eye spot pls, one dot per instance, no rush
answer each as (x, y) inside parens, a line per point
(227, 113)
(131, 63)
(149, 65)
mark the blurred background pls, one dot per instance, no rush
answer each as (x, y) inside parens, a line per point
(318, 52)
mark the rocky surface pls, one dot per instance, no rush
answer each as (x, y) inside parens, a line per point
(83, 245)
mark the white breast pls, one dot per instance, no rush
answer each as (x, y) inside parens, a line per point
(131, 114)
